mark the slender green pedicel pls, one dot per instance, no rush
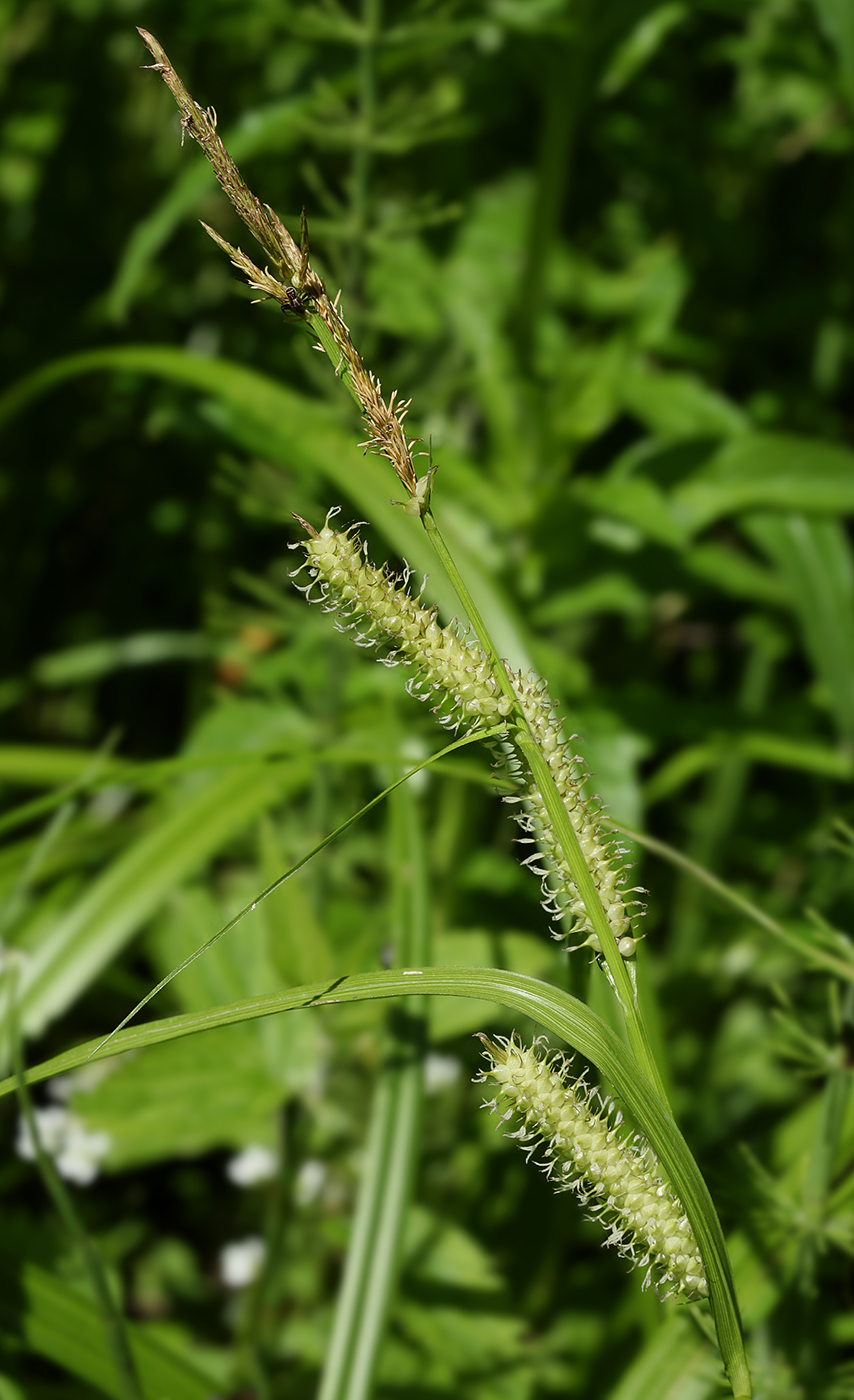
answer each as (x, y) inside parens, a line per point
(586, 1151)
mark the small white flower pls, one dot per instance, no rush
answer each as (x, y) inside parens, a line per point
(241, 1262)
(81, 1081)
(310, 1181)
(77, 1152)
(12, 960)
(439, 1072)
(253, 1165)
(412, 751)
(109, 803)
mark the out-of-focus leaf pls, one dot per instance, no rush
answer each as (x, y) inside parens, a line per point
(774, 749)
(34, 765)
(679, 405)
(119, 901)
(553, 1009)
(401, 289)
(97, 659)
(56, 1321)
(677, 1363)
(640, 46)
(766, 471)
(736, 573)
(637, 501)
(615, 593)
(837, 20)
(449, 1340)
(815, 558)
(305, 435)
(190, 1096)
(440, 1252)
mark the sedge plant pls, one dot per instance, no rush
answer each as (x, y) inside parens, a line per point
(458, 670)
(641, 1183)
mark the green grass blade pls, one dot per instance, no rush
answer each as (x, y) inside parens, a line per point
(811, 953)
(53, 1319)
(34, 765)
(114, 1335)
(119, 902)
(306, 435)
(292, 870)
(814, 556)
(384, 1195)
(557, 1012)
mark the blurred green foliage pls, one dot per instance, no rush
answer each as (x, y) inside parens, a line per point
(606, 249)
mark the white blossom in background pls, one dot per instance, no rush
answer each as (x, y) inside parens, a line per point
(77, 1153)
(241, 1262)
(82, 1081)
(413, 750)
(440, 1071)
(13, 961)
(252, 1166)
(109, 803)
(310, 1181)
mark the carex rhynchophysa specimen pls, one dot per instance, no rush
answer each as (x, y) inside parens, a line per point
(583, 876)
(461, 671)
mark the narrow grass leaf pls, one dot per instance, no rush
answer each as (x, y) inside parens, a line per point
(764, 470)
(386, 1187)
(554, 1010)
(307, 436)
(815, 558)
(54, 1320)
(120, 901)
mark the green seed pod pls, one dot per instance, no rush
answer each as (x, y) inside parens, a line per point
(603, 855)
(618, 1177)
(451, 668)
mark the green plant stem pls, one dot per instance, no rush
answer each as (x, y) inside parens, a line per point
(715, 814)
(117, 1341)
(820, 959)
(564, 69)
(557, 1012)
(363, 153)
(386, 1188)
(538, 767)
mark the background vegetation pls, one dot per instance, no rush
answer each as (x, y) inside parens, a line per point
(607, 250)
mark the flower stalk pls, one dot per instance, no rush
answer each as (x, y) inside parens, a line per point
(470, 684)
(302, 295)
(297, 287)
